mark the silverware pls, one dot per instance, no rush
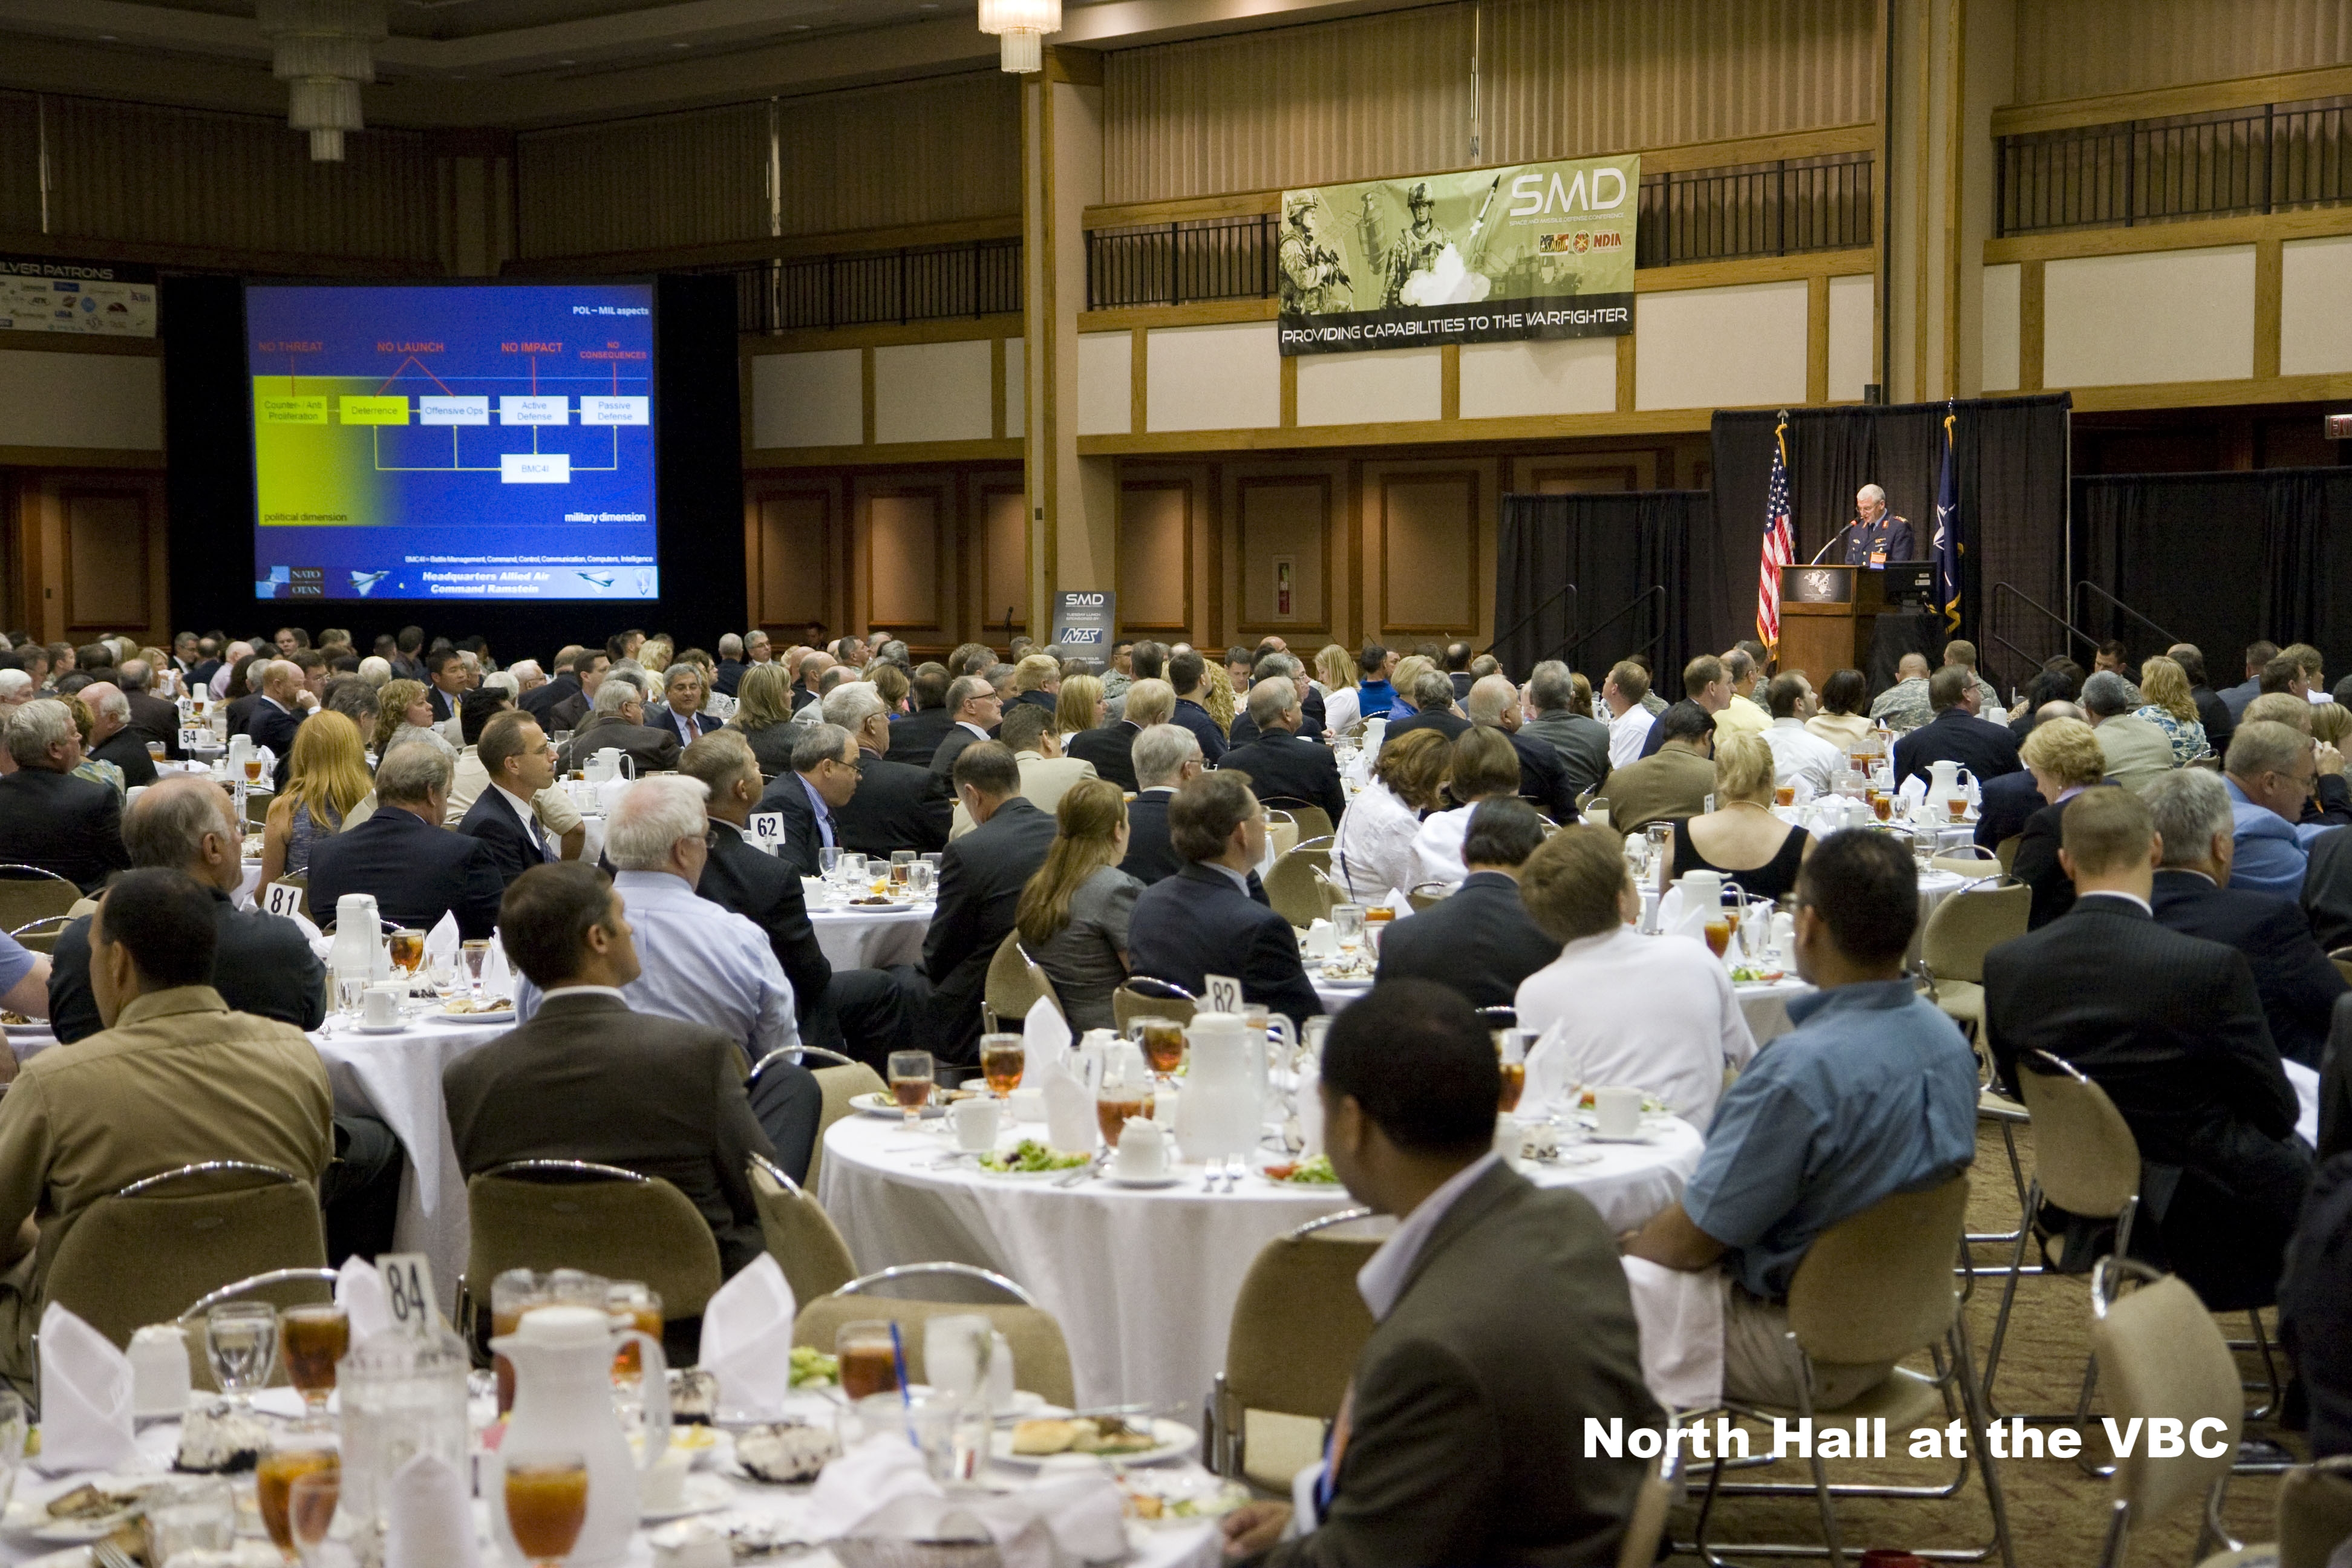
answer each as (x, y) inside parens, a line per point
(109, 1555)
(1211, 1170)
(1085, 1172)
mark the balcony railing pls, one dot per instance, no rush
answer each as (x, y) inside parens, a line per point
(869, 287)
(2268, 159)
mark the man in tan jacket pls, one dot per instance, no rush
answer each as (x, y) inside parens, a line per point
(175, 1078)
(1674, 781)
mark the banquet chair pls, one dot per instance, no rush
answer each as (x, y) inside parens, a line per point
(545, 1215)
(28, 893)
(1297, 1327)
(2342, 959)
(141, 1253)
(2164, 1356)
(1970, 860)
(1144, 997)
(1282, 830)
(1015, 981)
(2006, 853)
(839, 1085)
(1040, 1356)
(1421, 895)
(1964, 926)
(799, 1235)
(1877, 1287)
(1299, 892)
(1314, 822)
(281, 1287)
(1317, 852)
(41, 935)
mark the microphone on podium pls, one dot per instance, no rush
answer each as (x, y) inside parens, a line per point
(1852, 523)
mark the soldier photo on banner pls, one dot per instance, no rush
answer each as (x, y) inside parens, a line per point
(1534, 250)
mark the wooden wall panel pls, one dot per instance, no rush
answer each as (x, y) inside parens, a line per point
(105, 558)
(1433, 578)
(2080, 48)
(663, 180)
(906, 574)
(791, 581)
(86, 554)
(1278, 522)
(1005, 556)
(1155, 558)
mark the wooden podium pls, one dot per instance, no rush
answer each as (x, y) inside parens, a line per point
(1827, 613)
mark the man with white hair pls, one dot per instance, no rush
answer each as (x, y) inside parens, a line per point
(616, 720)
(1166, 756)
(730, 664)
(1876, 537)
(111, 739)
(526, 676)
(1284, 769)
(897, 806)
(49, 819)
(284, 701)
(230, 657)
(152, 717)
(416, 869)
(702, 964)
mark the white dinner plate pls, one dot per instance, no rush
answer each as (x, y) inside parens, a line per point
(703, 1494)
(1646, 1136)
(444, 1016)
(873, 1104)
(1175, 1441)
(1143, 1183)
(399, 1028)
(32, 1521)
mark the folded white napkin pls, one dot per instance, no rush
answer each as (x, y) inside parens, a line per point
(1069, 1110)
(852, 1488)
(1310, 1106)
(747, 1341)
(497, 978)
(1680, 1315)
(86, 1422)
(429, 1520)
(1546, 1080)
(1045, 1036)
(1400, 903)
(441, 941)
(879, 1491)
(358, 1291)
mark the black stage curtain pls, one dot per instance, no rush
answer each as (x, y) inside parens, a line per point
(2013, 456)
(2217, 560)
(1613, 547)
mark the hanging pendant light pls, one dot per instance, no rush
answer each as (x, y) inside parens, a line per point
(323, 51)
(1020, 27)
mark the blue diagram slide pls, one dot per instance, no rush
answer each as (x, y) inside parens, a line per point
(487, 441)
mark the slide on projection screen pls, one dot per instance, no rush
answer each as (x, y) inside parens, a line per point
(461, 442)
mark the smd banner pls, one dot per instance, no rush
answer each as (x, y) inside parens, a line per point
(1534, 250)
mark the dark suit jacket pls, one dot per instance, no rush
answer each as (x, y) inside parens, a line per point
(1543, 782)
(155, 718)
(1954, 735)
(587, 1078)
(1197, 924)
(2215, 715)
(2292, 976)
(981, 878)
(787, 798)
(655, 750)
(898, 807)
(2005, 805)
(763, 889)
(1515, 1311)
(1582, 743)
(62, 824)
(2172, 1028)
(567, 712)
(660, 718)
(127, 749)
(1150, 857)
(2037, 867)
(772, 747)
(1447, 724)
(240, 713)
(1110, 748)
(915, 738)
(445, 707)
(1195, 718)
(493, 821)
(261, 964)
(729, 676)
(2327, 891)
(943, 755)
(1891, 535)
(1311, 720)
(1285, 770)
(274, 727)
(417, 872)
(1481, 940)
(539, 699)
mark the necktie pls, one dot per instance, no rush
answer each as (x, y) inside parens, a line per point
(1335, 1449)
(537, 837)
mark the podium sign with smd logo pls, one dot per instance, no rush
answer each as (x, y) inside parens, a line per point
(1083, 621)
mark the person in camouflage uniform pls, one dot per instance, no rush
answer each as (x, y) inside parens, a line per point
(1416, 249)
(1313, 282)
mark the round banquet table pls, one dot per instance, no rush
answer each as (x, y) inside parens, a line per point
(1142, 1281)
(1765, 1004)
(871, 937)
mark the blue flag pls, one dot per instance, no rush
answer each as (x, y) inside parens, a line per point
(1948, 533)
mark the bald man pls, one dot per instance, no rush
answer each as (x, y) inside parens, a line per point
(1494, 704)
(1906, 704)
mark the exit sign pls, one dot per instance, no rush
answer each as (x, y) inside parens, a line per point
(2340, 426)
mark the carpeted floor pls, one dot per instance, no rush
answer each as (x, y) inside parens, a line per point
(2057, 1515)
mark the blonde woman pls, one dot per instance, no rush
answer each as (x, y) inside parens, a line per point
(1079, 706)
(1074, 912)
(1335, 677)
(327, 777)
(406, 715)
(1408, 671)
(1740, 837)
(655, 655)
(2171, 709)
(2331, 723)
(1218, 698)
(763, 716)
(2064, 758)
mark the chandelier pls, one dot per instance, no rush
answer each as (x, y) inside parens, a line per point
(1021, 27)
(320, 49)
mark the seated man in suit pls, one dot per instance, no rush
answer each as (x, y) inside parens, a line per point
(111, 738)
(152, 718)
(1500, 1308)
(2137, 752)
(2007, 804)
(1209, 919)
(174, 1078)
(1285, 770)
(1112, 747)
(447, 681)
(1874, 1092)
(897, 806)
(916, 735)
(981, 876)
(564, 685)
(977, 710)
(417, 869)
(1433, 700)
(1543, 782)
(2327, 896)
(284, 702)
(571, 711)
(1955, 734)
(684, 696)
(1580, 740)
(616, 720)
(591, 1078)
(49, 817)
(1672, 781)
(1480, 940)
(823, 777)
(1045, 775)
(1188, 677)
(1167, 757)
(513, 752)
(2269, 774)
(2171, 1026)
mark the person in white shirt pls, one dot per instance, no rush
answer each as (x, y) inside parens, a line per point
(1622, 690)
(1652, 1013)
(1372, 855)
(1799, 756)
(1484, 763)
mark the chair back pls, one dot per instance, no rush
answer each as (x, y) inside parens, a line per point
(569, 1214)
(839, 1086)
(1969, 925)
(1282, 828)
(41, 935)
(1015, 981)
(1314, 822)
(1144, 997)
(1299, 1325)
(1040, 1356)
(1877, 1285)
(2342, 959)
(1424, 894)
(141, 1255)
(2161, 1355)
(1297, 890)
(1968, 860)
(800, 1234)
(280, 1287)
(2006, 853)
(2315, 1512)
(28, 893)
(2084, 1155)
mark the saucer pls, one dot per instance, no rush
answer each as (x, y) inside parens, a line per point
(400, 1027)
(1111, 1175)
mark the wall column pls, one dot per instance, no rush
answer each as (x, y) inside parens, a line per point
(1073, 500)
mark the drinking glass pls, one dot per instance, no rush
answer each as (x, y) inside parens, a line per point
(1117, 1100)
(1956, 806)
(913, 1076)
(303, 1453)
(472, 954)
(1660, 837)
(631, 1304)
(351, 992)
(1784, 796)
(407, 950)
(310, 1505)
(547, 1502)
(920, 878)
(1002, 1059)
(853, 872)
(1347, 924)
(952, 1434)
(828, 862)
(902, 865)
(241, 1342)
(867, 1358)
(1718, 934)
(441, 969)
(154, 751)
(253, 770)
(198, 1513)
(313, 1339)
(1163, 1040)
(1512, 1059)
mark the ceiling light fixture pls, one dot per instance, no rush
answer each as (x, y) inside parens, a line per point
(322, 51)
(1021, 27)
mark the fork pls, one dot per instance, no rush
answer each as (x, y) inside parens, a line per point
(1234, 1167)
(106, 1554)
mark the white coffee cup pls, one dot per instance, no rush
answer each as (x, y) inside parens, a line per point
(1617, 1111)
(380, 1009)
(662, 1488)
(975, 1122)
(1028, 1104)
(160, 1379)
(1142, 1151)
(1509, 1137)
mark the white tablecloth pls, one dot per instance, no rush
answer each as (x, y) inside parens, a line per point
(1143, 1283)
(871, 937)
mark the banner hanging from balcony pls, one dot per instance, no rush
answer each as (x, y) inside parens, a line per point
(1534, 250)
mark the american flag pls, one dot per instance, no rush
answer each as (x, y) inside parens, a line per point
(1779, 545)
